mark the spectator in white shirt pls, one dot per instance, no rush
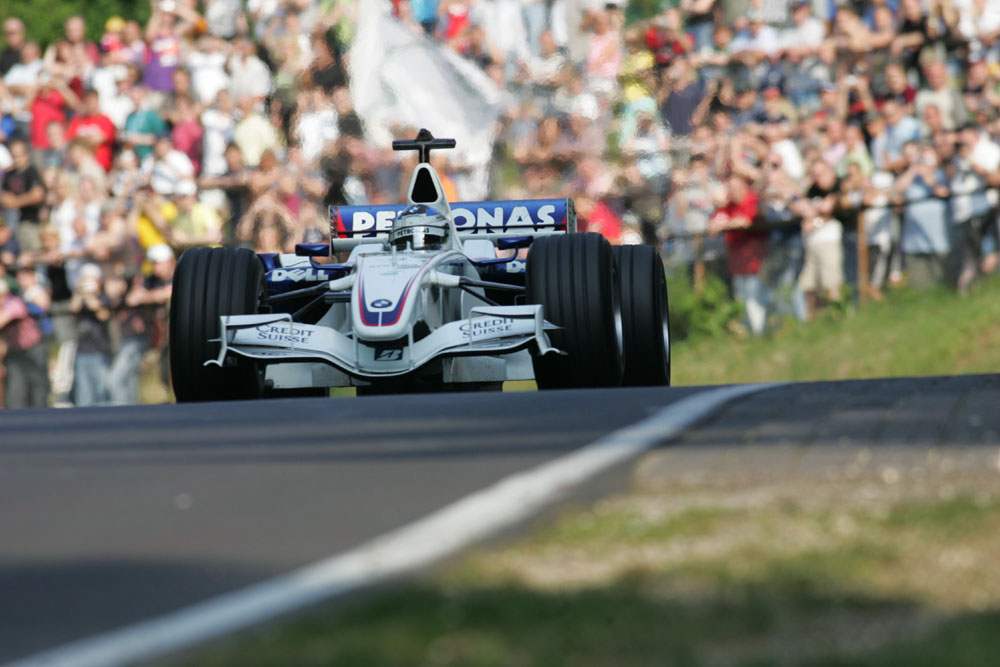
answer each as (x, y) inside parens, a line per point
(757, 42)
(806, 33)
(21, 81)
(987, 26)
(25, 73)
(167, 167)
(980, 157)
(943, 95)
(207, 65)
(219, 122)
(545, 68)
(225, 18)
(249, 76)
(315, 125)
(116, 102)
(776, 135)
(559, 23)
(504, 25)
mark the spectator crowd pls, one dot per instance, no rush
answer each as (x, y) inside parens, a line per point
(757, 138)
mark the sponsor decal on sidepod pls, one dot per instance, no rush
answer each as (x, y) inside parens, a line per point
(515, 266)
(298, 275)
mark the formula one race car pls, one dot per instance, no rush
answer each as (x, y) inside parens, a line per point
(430, 296)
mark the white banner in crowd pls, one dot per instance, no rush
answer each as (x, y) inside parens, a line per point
(401, 77)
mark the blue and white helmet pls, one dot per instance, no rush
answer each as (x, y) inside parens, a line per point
(419, 227)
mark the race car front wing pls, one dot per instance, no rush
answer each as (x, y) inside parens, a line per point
(488, 331)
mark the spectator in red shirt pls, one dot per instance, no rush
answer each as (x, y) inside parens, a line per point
(666, 38)
(94, 128)
(596, 216)
(51, 102)
(746, 248)
(457, 19)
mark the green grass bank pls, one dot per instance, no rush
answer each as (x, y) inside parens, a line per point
(908, 334)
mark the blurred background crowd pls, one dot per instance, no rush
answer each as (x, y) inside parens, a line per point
(761, 141)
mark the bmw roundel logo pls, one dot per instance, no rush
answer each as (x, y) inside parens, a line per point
(381, 303)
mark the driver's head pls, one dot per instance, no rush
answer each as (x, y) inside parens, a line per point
(419, 227)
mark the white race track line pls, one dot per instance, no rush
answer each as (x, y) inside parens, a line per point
(411, 547)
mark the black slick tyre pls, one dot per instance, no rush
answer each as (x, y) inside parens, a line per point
(575, 279)
(645, 316)
(209, 283)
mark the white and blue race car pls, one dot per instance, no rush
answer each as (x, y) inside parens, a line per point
(426, 295)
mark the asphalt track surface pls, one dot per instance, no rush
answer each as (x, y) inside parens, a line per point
(115, 515)
(109, 516)
(842, 430)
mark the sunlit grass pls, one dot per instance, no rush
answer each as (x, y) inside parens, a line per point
(909, 334)
(658, 577)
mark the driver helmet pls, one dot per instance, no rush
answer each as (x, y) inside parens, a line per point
(420, 227)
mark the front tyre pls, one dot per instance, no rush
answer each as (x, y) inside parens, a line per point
(645, 315)
(210, 283)
(575, 279)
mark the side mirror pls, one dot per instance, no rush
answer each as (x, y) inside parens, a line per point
(312, 249)
(512, 242)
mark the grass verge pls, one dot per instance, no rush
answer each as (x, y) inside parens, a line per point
(909, 334)
(667, 576)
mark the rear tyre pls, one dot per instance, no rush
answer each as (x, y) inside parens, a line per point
(645, 316)
(575, 279)
(210, 283)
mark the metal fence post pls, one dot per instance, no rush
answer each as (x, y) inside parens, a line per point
(862, 260)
